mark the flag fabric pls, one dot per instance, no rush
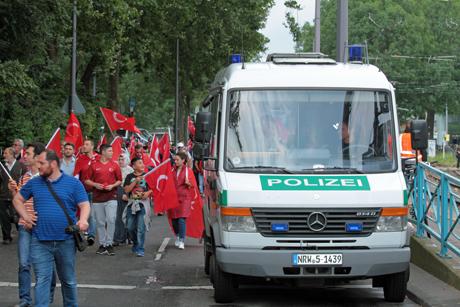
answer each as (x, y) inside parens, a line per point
(132, 148)
(73, 133)
(155, 151)
(164, 147)
(102, 140)
(191, 127)
(117, 121)
(161, 182)
(117, 148)
(195, 222)
(55, 142)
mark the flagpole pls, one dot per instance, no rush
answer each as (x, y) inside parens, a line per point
(106, 121)
(6, 171)
(155, 168)
(52, 137)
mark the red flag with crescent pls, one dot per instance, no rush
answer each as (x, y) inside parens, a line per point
(73, 133)
(155, 151)
(164, 146)
(55, 143)
(161, 181)
(117, 121)
(117, 148)
(195, 222)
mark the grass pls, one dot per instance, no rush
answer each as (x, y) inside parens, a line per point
(448, 161)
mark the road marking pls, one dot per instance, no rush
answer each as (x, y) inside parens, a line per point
(187, 288)
(158, 257)
(163, 245)
(86, 286)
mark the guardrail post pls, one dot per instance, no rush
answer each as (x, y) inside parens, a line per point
(444, 218)
(421, 202)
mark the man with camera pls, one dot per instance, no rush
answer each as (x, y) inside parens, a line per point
(53, 243)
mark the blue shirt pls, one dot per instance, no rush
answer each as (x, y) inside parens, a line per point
(51, 219)
(68, 168)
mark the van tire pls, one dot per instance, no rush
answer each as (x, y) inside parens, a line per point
(225, 289)
(395, 286)
(207, 256)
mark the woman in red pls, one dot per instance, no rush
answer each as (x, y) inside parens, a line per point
(185, 192)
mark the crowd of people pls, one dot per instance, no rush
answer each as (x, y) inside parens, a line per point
(48, 199)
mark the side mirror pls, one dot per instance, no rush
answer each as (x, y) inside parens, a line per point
(419, 134)
(203, 127)
(200, 150)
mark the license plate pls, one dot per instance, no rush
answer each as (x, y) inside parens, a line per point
(317, 259)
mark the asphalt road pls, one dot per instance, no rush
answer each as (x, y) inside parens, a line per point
(176, 278)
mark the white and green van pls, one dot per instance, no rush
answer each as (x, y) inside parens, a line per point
(303, 180)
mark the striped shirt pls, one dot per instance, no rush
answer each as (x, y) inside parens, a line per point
(29, 204)
(51, 219)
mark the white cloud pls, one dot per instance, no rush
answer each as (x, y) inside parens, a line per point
(280, 38)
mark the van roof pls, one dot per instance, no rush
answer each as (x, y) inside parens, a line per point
(311, 75)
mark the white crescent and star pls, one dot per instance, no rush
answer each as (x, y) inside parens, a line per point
(118, 120)
(161, 177)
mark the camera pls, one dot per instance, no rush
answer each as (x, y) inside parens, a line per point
(72, 229)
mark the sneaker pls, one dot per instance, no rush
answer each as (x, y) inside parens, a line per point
(140, 254)
(110, 250)
(90, 241)
(177, 242)
(181, 245)
(102, 250)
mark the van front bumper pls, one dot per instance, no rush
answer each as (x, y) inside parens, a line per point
(278, 263)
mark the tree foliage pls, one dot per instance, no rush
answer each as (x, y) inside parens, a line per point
(129, 46)
(415, 42)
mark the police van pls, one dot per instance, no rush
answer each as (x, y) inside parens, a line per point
(303, 178)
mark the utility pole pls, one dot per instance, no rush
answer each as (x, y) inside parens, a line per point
(176, 120)
(73, 91)
(342, 30)
(317, 42)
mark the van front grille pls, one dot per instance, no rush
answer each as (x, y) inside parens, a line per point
(297, 221)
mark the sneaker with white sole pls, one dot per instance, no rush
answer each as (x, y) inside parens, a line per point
(176, 243)
(181, 245)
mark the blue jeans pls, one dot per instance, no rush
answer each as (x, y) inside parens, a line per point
(45, 255)
(92, 219)
(24, 271)
(201, 183)
(179, 227)
(136, 228)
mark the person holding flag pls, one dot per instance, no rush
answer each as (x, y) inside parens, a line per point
(186, 196)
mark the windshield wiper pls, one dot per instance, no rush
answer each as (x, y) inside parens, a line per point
(263, 167)
(335, 169)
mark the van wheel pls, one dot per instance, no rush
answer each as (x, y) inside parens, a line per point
(395, 286)
(207, 256)
(225, 286)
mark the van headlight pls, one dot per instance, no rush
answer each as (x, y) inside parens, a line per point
(392, 220)
(238, 224)
(237, 220)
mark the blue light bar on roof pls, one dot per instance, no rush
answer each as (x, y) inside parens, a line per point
(355, 53)
(235, 58)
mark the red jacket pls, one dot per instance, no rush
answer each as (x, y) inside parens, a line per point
(185, 194)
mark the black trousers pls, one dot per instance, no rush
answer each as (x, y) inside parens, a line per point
(121, 232)
(5, 218)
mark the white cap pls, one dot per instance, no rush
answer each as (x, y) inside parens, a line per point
(180, 144)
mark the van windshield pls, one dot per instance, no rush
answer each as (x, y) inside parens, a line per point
(306, 131)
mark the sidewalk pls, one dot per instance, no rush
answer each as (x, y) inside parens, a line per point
(426, 290)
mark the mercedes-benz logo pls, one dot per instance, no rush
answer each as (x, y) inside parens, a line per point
(317, 221)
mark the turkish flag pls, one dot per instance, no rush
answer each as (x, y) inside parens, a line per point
(103, 140)
(191, 126)
(155, 151)
(117, 121)
(164, 147)
(195, 221)
(55, 143)
(117, 148)
(132, 148)
(161, 182)
(73, 133)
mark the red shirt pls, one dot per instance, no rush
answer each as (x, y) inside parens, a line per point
(82, 165)
(106, 173)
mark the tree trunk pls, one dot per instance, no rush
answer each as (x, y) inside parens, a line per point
(430, 122)
(113, 89)
(88, 73)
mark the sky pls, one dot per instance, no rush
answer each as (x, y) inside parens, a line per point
(280, 38)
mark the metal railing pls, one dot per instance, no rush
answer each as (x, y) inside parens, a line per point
(435, 200)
